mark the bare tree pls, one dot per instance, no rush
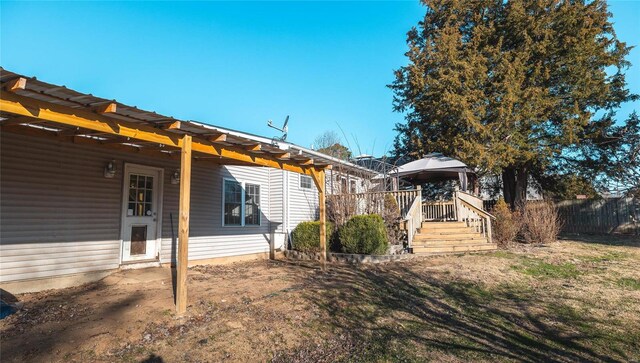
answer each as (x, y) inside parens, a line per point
(331, 143)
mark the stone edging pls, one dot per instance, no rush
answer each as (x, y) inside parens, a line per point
(346, 257)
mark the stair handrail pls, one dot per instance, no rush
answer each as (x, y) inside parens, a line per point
(469, 198)
(486, 216)
(413, 219)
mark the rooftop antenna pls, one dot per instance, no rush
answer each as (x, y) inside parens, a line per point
(284, 129)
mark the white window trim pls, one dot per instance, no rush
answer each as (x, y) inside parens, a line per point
(345, 186)
(300, 176)
(242, 204)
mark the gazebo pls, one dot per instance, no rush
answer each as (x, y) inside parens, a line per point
(435, 167)
(455, 224)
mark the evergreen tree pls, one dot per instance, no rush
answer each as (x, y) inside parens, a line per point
(520, 88)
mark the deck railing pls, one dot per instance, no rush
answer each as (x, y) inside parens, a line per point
(374, 202)
(439, 211)
(464, 207)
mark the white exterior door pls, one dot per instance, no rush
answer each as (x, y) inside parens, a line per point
(142, 198)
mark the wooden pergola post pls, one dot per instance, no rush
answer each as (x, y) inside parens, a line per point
(319, 180)
(183, 226)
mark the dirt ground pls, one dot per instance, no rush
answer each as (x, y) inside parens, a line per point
(574, 300)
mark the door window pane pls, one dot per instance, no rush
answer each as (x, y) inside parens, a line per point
(140, 195)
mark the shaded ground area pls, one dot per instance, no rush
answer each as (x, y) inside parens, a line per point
(569, 301)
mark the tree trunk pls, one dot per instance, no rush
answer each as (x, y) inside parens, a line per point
(509, 186)
(515, 181)
(522, 183)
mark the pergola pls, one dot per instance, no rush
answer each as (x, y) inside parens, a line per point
(32, 107)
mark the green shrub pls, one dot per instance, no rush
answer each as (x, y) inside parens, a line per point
(306, 236)
(364, 234)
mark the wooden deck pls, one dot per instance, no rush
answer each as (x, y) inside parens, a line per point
(453, 226)
(449, 237)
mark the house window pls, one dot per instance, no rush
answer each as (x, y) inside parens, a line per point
(241, 203)
(352, 184)
(306, 182)
(232, 203)
(252, 205)
(343, 185)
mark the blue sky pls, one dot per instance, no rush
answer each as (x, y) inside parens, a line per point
(238, 64)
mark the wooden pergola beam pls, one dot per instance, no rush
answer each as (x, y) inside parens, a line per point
(25, 106)
(117, 141)
(217, 138)
(19, 83)
(20, 120)
(172, 126)
(253, 147)
(70, 132)
(110, 107)
(32, 131)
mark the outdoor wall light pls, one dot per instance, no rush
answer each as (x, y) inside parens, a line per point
(175, 177)
(110, 169)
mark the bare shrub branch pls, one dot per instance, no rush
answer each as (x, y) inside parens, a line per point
(540, 222)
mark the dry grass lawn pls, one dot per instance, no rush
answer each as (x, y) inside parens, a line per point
(574, 300)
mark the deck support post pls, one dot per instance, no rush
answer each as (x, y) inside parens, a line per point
(319, 179)
(183, 226)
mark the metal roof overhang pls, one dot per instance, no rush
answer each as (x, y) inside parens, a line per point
(27, 104)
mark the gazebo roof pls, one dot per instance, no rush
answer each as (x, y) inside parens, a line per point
(432, 167)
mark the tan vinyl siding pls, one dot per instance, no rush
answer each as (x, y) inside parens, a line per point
(208, 237)
(276, 199)
(59, 215)
(302, 203)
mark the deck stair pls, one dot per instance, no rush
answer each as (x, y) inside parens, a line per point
(449, 237)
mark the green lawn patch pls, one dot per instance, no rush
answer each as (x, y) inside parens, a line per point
(607, 257)
(628, 283)
(538, 268)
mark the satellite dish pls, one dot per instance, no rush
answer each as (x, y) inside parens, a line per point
(284, 129)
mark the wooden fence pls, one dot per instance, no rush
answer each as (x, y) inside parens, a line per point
(612, 215)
